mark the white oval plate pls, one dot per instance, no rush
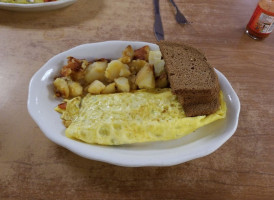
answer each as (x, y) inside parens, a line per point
(36, 6)
(41, 104)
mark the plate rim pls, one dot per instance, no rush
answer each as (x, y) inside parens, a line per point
(36, 6)
(68, 144)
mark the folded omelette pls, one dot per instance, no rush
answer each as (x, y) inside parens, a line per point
(132, 117)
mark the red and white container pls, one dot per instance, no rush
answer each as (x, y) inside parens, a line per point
(261, 23)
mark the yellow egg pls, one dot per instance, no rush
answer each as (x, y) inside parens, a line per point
(132, 117)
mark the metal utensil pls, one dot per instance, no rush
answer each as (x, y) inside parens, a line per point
(180, 18)
(158, 27)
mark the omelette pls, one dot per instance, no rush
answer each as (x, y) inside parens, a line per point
(132, 117)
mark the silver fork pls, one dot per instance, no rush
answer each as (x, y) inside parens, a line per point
(180, 18)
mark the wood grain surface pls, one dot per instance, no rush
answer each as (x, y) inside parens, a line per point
(33, 167)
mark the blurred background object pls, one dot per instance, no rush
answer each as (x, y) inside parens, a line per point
(261, 23)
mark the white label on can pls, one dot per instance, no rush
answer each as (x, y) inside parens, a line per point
(266, 23)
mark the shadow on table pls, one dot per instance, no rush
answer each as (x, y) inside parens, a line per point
(71, 15)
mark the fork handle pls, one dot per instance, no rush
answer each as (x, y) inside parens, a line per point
(174, 4)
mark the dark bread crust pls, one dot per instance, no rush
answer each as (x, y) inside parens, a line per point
(193, 99)
(191, 78)
(202, 109)
(196, 99)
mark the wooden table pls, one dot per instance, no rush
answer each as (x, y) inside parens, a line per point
(33, 167)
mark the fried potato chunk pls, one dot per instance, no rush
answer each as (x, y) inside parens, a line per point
(116, 69)
(96, 71)
(132, 82)
(142, 53)
(122, 84)
(154, 56)
(110, 88)
(145, 77)
(159, 67)
(96, 87)
(162, 80)
(61, 87)
(127, 55)
(75, 89)
(75, 67)
(136, 65)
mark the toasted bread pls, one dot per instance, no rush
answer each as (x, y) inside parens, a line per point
(190, 100)
(191, 78)
(202, 109)
(188, 71)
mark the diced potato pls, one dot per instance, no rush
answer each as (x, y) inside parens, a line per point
(124, 72)
(74, 66)
(127, 55)
(113, 69)
(122, 84)
(142, 53)
(96, 71)
(61, 87)
(154, 56)
(78, 76)
(132, 84)
(84, 64)
(136, 65)
(162, 80)
(96, 87)
(159, 67)
(145, 77)
(75, 89)
(110, 88)
(116, 69)
(66, 71)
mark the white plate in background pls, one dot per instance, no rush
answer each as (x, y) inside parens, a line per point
(205, 140)
(36, 6)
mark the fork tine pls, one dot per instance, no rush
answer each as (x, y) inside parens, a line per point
(180, 18)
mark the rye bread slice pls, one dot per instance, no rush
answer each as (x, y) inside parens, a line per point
(188, 71)
(202, 109)
(196, 99)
